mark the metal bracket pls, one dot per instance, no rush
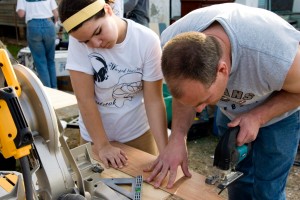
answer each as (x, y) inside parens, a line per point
(86, 170)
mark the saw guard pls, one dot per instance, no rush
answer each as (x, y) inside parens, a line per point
(54, 177)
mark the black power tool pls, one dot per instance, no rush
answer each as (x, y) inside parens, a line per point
(227, 156)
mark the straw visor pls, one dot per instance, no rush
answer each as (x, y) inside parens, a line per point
(83, 14)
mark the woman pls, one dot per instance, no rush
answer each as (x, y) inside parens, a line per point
(114, 66)
(40, 17)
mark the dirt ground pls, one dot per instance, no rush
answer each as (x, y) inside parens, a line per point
(201, 151)
(200, 160)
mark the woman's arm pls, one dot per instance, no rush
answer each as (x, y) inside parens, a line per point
(83, 86)
(21, 13)
(156, 112)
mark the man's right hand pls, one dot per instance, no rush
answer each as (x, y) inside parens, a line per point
(174, 154)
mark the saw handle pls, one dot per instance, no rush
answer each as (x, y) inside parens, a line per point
(8, 72)
(15, 134)
(227, 153)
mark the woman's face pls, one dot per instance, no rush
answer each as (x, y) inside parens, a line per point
(98, 33)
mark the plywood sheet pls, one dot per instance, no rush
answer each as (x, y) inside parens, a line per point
(193, 188)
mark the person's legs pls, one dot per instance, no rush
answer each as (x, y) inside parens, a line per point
(145, 143)
(49, 37)
(274, 151)
(38, 52)
(266, 168)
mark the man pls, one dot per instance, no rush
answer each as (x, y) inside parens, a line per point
(137, 10)
(247, 61)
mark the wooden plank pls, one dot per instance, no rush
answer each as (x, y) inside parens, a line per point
(148, 192)
(193, 188)
(60, 99)
(64, 103)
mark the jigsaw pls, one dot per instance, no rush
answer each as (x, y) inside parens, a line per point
(226, 157)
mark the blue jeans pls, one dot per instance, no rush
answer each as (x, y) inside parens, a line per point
(267, 166)
(41, 37)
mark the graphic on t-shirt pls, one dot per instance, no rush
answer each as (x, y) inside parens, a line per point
(237, 97)
(101, 74)
(125, 90)
(118, 84)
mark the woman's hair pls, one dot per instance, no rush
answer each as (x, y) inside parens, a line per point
(68, 8)
(192, 56)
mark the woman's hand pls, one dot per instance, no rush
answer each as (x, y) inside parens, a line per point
(111, 156)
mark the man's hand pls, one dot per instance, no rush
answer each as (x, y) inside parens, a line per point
(174, 154)
(249, 127)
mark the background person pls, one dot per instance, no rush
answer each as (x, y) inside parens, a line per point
(247, 61)
(118, 91)
(41, 35)
(137, 10)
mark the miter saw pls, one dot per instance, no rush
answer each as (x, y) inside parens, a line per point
(227, 156)
(31, 132)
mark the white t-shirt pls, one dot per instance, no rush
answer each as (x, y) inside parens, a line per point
(37, 9)
(118, 75)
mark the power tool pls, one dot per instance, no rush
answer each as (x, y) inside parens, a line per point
(31, 132)
(227, 156)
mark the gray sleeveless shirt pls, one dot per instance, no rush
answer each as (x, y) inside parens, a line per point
(263, 49)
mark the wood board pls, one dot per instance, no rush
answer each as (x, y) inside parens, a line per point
(193, 188)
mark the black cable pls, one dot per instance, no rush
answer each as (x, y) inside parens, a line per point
(24, 163)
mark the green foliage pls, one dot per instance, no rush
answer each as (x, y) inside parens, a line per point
(13, 49)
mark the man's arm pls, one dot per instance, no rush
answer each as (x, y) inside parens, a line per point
(175, 154)
(283, 101)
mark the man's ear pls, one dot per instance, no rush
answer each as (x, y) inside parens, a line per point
(223, 68)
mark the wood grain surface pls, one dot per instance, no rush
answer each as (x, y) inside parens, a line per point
(193, 188)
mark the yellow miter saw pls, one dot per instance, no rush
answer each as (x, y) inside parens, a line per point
(30, 132)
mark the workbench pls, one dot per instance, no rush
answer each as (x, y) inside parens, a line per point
(193, 188)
